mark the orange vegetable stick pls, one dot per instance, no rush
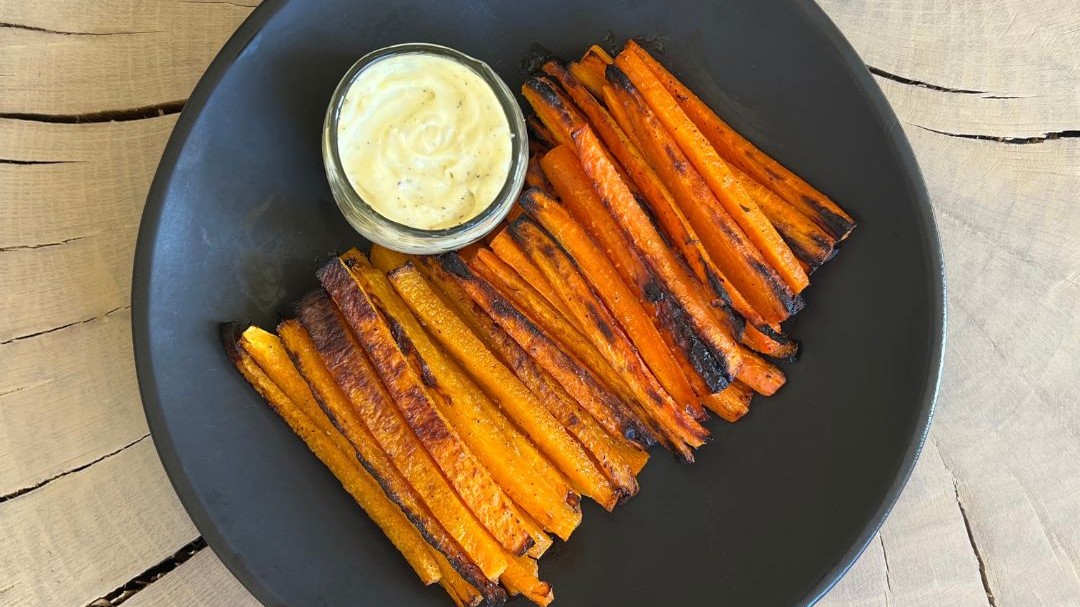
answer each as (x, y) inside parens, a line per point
(262, 360)
(621, 204)
(713, 169)
(618, 297)
(512, 396)
(511, 253)
(408, 379)
(722, 236)
(552, 108)
(740, 152)
(701, 368)
(441, 523)
(760, 375)
(534, 175)
(539, 132)
(590, 69)
(732, 402)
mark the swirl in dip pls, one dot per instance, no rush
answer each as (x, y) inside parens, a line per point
(423, 140)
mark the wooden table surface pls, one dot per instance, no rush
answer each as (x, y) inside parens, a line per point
(987, 91)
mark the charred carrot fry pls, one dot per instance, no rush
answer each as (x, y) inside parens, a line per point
(615, 294)
(510, 252)
(590, 68)
(603, 331)
(544, 496)
(621, 414)
(740, 152)
(534, 175)
(511, 395)
(715, 171)
(334, 344)
(727, 243)
(770, 341)
(539, 133)
(446, 523)
(262, 360)
(621, 204)
(760, 375)
(552, 108)
(701, 368)
(732, 402)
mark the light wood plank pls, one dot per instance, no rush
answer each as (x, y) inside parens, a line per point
(80, 536)
(203, 580)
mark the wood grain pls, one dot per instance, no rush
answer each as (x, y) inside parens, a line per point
(988, 93)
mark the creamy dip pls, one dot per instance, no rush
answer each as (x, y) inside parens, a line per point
(423, 140)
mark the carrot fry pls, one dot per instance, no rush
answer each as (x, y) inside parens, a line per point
(553, 109)
(385, 421)
(618, 297)
(553, 335)
(721, 235)
(445, 523)
(715, 171)
(410, 382)
(534, 175)
(621, 204)
(262, 360)
(503, 387)
(739, 151)
(770, 341)
(539, 132)
(732, 402)
(701, 368)
(760, 375)
(590, 68)
(603, 329)
(509, 251)
(463, 406)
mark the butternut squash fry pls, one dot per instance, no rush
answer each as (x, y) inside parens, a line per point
(521, 577)
(549, 333)
(500, 383)
(622, 206)
(713, 169)
(350, 368)
(619, 298)
(603, 330)
(722, 236)
(408, 379)
(427, 513)
(704, 372)
(463, 407)
(461, 592)
(739, 151)
(261, 359)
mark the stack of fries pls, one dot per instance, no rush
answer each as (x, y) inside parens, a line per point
(467, 401)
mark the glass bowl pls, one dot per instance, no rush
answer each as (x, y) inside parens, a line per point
(400, 237)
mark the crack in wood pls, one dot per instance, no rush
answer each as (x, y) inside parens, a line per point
(40, 484)
(934, 87)
(31, 247)
(23, 162)
(151, 575)
(61, 327)
(122, 115)
(888, 575)
(33, 28)
(218, 2)
(974, 547)
(1051, 136)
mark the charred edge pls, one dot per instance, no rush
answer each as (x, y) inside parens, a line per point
(544, 87)
(712, 368)
(556, 67)
(651, 215)
(771, 173)
(397, 331)
(153, 574)
(618, 78)
(717, 287)
(126, 115)
(775, 335)
(454, 264)
(230, 333)
(655, 42)
(735, 320)
(502, 307)
(838, 226)
(674, 158)
(814, 259)
(537, 132)
(599, 322)
(791, 302)
(537, 56)
(428, 428)
(654, 293)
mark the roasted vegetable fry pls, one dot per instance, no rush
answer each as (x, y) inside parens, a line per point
(511, 395)
(539, 133)
(618, 297)
(723, 237)
(463, 407)
(261, 359)
(740, 152)
(760, 375)
(552, 108)
(715, 171)
(509, 251)
(602, 329)
(442, 521)
(354, 374)
(534, 175)
(590, 69)
(546, 331)
(621, 204)
(732, 402)
(521, 578)
(409, 380)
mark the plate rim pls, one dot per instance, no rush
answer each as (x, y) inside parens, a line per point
(149, 225)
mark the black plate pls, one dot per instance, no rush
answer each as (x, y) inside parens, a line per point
(777, 507)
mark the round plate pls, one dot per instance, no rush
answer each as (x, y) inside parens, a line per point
(777, 507)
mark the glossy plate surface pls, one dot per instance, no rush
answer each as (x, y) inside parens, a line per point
(776, 508)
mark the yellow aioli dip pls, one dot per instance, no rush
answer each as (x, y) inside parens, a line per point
(424, 141)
